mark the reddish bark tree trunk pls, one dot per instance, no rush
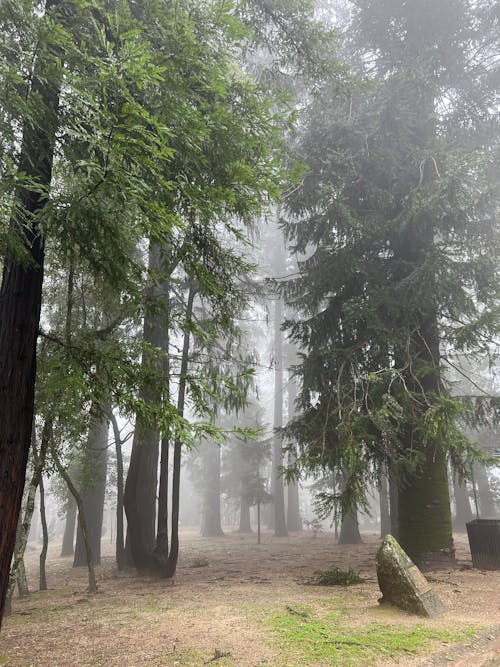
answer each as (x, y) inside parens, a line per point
(20, 303)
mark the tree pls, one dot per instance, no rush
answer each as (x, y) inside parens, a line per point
(396, 215)
(21, 289)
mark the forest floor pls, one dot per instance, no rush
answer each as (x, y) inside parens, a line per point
(235, 603)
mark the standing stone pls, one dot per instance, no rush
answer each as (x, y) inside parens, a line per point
(402, 583)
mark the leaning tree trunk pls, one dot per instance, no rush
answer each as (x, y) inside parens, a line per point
(210, 518)
(93, 469)
(20, 301)
(141, 484)
(81, 519)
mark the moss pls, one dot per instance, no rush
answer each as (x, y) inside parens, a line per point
(307, 638)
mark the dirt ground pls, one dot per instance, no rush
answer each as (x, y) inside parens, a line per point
(215, 610)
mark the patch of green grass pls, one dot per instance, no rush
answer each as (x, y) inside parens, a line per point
(307, 639)
(200, 562)
(335, 577)
(188, 657)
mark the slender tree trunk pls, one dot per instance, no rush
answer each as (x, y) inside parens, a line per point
(463, 511)
(23, 530)
(141, 484)
(280, 529)
(293, 518)
(245, 523)
(93, 490)
(394, 503)
(120, 544)
(162, 527)
(20, 303)
(68, 542)
(211, 519)
(168, 570)
(487, 507)
(45, 544)
(81, 519)
(385, 514)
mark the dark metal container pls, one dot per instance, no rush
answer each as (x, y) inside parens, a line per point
(484, 542)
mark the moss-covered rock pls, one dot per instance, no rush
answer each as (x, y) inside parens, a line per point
(402, 583)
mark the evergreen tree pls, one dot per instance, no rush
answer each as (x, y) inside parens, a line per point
(396, 228)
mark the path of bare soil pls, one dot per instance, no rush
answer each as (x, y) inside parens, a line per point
(216, 611)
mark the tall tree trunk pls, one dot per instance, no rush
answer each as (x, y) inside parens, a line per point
(425, 530)
(279, 516)
(20, 302)
(168, 570)
(349, 529)
(22, 581)
(463, 511)
(162, 527)
(23, 530)
(385, 514)
(245, 523)
(68, 541)
(487, 509)
(141, 484)
(210, 518)
(293, 518)
(394, 502)
(45, 544)
(93, 469)
(120, 544)
(81, 518)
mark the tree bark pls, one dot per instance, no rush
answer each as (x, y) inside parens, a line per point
(93, 489)
(45, 543)
(168, 570)
(141, 484)
(68, 542)
(425, 530)
(349, 529)
(487, 506)
(23, 530)
(20, 304)
(245, 523)
(463, 511)
(120, 543)
(279, 517)
(22, 581)
(81, 519)
(210, 518)
(293, 518)
(385, 514)
(394, 503)
(162, 527)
